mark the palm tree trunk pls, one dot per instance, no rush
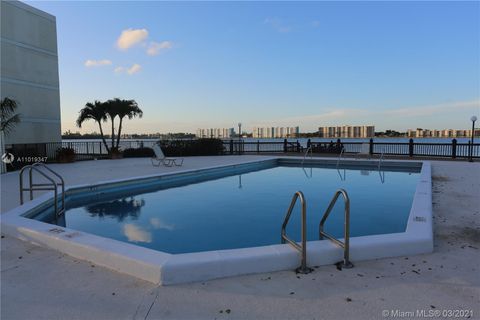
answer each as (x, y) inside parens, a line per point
(103, 138)
(113, 133)
(119, 132)
(2, 142)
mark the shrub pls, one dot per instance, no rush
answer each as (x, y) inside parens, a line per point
(65, 155)
(198, 147)
(138, 153)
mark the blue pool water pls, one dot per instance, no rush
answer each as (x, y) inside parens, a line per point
(245, 210)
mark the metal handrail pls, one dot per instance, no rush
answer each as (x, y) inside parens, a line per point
(382, 176)
(303, 247)
(307, 174)
(380, 160)
(52, 186)
(340, 157)
(62, 183)
(346, 240)
(306, 153)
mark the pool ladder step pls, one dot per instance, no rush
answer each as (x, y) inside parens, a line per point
(54, 182)
(302, 247)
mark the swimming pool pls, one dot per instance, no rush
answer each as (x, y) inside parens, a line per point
(215, 222)
(244, 209)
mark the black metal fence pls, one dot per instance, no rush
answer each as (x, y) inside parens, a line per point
(88, 150)
(410, 149)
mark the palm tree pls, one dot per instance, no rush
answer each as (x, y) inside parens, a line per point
(111, 112)
(96, 111)
(125, 108)
(8, 120)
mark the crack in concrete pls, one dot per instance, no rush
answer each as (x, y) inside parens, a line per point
(151, 306)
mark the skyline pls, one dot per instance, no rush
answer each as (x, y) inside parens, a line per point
(194, 65)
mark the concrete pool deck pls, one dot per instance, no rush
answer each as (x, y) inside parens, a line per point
(44, 284)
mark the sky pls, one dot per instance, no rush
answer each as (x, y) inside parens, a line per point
(189, 65)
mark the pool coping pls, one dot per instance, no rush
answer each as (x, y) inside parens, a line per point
(165, 269)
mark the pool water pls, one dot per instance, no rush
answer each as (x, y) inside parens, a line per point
(247, 210)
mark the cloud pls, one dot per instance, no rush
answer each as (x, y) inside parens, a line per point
(155, 47)
(136, 234)
(430, 110)
(131, 37)
(119, 69)
(132, 70)
(314, 119)
(277, 24)
(97, 63)
(315, 24)
(159, 224)
(386, 118)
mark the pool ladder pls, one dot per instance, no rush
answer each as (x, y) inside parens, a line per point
(309, 149)
(302, 247)
(55, 180)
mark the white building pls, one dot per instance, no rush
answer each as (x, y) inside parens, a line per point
(219, 133)
(275, 132)
(347, 132)
(29, 72)
(446, 133)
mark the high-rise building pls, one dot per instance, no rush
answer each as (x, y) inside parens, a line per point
(347, 132)
(219, 133)
(275, 132)
(446, 133)
(29, 72)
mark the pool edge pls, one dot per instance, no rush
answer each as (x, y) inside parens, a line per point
(165, 269)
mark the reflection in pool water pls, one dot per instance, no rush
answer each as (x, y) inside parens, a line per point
(245, 210)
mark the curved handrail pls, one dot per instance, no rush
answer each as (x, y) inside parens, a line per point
(49, 169)
(42, 186)
(303, 247)
(346, 239)
(380, 160)
(62, 184)
(340, 157)
(309, 176)
(306, 153)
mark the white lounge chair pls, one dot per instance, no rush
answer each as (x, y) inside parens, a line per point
(161, 159)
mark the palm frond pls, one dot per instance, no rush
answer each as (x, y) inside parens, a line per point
(7, 125)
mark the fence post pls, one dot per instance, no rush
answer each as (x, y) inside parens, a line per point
(231, 146)
(454, 148)
(258, 146)
(285, 145)
(309, 143)
(410, 147)
(370, 149)
(298, 146)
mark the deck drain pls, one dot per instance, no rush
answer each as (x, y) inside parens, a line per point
(73, 234)
(419, 219)
(56, 230)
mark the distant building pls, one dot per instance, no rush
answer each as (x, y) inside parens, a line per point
(219, 133)
(275, 132)
(29, 72)
(446, 133)
(347, 132)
